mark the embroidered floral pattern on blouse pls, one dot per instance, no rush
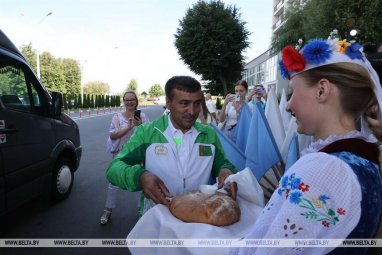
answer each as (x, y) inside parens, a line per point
(290, 228)
(315, 208)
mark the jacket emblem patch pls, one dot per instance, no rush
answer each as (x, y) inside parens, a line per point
(160, 150)
(205, 150)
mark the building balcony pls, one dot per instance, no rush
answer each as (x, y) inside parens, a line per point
(277, 25)
(277, 10)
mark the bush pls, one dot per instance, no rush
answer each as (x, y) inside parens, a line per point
(218, 103)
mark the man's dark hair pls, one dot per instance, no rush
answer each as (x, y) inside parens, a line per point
(182, 83)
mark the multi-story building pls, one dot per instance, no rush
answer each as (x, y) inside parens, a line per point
(264, 69)
(279, 9)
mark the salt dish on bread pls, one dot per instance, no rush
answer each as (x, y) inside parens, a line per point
(218, 209)
(208, 189)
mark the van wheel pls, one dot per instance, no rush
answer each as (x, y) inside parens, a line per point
(62, 179)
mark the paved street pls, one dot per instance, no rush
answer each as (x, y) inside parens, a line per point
(78, 216)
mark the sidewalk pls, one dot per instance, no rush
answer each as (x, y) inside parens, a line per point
(94, 112)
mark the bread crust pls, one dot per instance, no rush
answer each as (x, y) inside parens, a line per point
(194, 206)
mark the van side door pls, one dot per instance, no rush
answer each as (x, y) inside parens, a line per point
(2, 186)
(27, 134)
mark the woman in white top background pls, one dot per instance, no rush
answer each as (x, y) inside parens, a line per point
(231, 109)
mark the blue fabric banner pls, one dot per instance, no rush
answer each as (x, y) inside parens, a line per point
(243, 126)
(293, 152)
(234, 154)
(261, 150)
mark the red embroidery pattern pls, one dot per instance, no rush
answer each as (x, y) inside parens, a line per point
(316, 207)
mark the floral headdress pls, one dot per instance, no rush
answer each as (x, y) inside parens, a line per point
(319, 52)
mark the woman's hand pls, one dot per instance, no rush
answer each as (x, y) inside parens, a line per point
(232, 188)
(229, 98)
(137, 121)
(252, 95)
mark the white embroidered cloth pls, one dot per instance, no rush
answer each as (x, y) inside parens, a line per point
(159, 223)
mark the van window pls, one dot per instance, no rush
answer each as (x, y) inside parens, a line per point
(16, 92)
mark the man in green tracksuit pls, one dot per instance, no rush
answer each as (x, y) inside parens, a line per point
(173, 154)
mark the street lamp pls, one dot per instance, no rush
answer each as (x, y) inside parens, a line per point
(37, 51)
(82, 82)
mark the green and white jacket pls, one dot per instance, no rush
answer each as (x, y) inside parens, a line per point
(149, 149)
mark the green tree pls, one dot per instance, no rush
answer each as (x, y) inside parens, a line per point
(72, 75)
(29, 54)
(84, 102)
(70, 105)
(99, 101)
(317, 18)
(88, 101)
(92, 101)
(96, 88)
(133, 85)
(52, 74)
(96, 101)
(210, 39)
(118, 100)
(75, 102)
(64, 97)
(103, 101)
(79, 104)
(156, 90)
(107, 101)
(219, 104)
(112, 100)
(63, 75)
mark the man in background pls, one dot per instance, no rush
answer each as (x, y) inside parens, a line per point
(211, 107)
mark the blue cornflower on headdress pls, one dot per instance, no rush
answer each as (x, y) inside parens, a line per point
(317, 51)
(283, 70)
(353, 51)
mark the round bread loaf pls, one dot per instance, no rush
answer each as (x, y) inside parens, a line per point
(194, 206)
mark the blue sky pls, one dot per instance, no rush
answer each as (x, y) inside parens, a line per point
(119, 40)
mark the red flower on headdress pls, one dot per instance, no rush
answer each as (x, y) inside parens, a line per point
(292, 59)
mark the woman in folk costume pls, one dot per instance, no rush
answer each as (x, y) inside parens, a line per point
(334, 190)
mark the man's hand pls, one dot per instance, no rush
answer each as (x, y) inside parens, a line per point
(154, 188)
(232, 188)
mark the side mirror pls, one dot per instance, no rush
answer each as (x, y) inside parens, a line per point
(57, 103)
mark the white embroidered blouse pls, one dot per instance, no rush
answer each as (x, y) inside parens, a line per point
(318, 197)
